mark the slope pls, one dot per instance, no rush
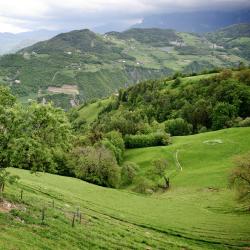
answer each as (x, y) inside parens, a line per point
(97, 65)
(199, 212)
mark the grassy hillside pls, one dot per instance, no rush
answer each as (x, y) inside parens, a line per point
(198, 212)
(207, 154)
(153, 37)
(98, 65)
(235, 38)
(91, 110)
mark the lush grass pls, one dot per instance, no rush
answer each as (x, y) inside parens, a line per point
(91, 110)
(189, 216)
(204, 164)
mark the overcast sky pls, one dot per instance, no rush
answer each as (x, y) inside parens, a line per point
(26, 15)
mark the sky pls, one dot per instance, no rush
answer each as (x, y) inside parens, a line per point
(28, 15)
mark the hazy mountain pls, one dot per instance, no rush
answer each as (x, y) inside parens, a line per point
(11, 43)
(235, 39)
(154, 37)
(200, 22)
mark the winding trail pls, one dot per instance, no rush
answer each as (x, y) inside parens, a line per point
(176, 159)
(53, 78)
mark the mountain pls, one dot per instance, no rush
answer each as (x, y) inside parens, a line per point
(11, 43)
(235, 38)
(80, 65)
(84, 40)
(153, 37)
(199, 22)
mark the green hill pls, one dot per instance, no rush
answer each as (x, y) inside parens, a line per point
(98, 65)
(153, 37)
(235, 38)
(198, 212)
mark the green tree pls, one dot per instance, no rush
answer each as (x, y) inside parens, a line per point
(240, 176)
(178, 126)
(31, 135)
(6, 177)
(159, 169)
(223, 115)
(95, 165)
(128, 172)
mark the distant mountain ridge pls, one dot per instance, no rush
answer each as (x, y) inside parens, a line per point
(198, 22)
(11, 43)
(95, 65)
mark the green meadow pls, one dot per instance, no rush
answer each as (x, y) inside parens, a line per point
(198, 212)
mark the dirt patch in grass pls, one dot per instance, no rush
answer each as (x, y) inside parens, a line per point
(213, 142)
(6, 206)
(66, 89)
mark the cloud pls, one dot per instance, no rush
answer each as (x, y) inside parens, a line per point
(21, 15)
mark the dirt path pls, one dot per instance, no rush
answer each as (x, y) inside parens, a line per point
(53, 78)
(177, 161)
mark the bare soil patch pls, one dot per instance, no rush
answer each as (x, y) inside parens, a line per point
(6, 206)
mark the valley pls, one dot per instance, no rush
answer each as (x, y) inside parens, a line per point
(101, 64)
(130, 139)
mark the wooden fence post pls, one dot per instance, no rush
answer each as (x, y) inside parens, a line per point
(43, 215)
(73, 220)
(21, 195)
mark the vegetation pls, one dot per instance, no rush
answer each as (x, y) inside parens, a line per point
(194, 105)
(156, 138)
(240, 176)
(153, 37)
(117, 218)
(98, 65)
(148, 140)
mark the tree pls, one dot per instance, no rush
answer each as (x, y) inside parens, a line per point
(240, 176)
(176, 82)
(178, 126)
(30, 136)
(159, 169)
(128, 172)
(6, 177)
(6, 98)
(95, 165)
(223, 115)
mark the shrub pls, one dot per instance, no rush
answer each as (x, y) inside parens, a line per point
(144, 186)
(95, 165)
(128, 173)
(176, 82)
(149, 140)
(203, 129)
(178, 126)
(222, 115)
(116, 139)
(240, 176)
(115, 150)
(245, 122)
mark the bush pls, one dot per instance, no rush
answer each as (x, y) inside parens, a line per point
(176, 82)
(149, 140)
(144, 186)
(223, 115)
(115, 150)
(245, 122)
(178, 126)
(95, 165)
(128, 173)
(203, 129)
(240, 176)
(116, 139)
